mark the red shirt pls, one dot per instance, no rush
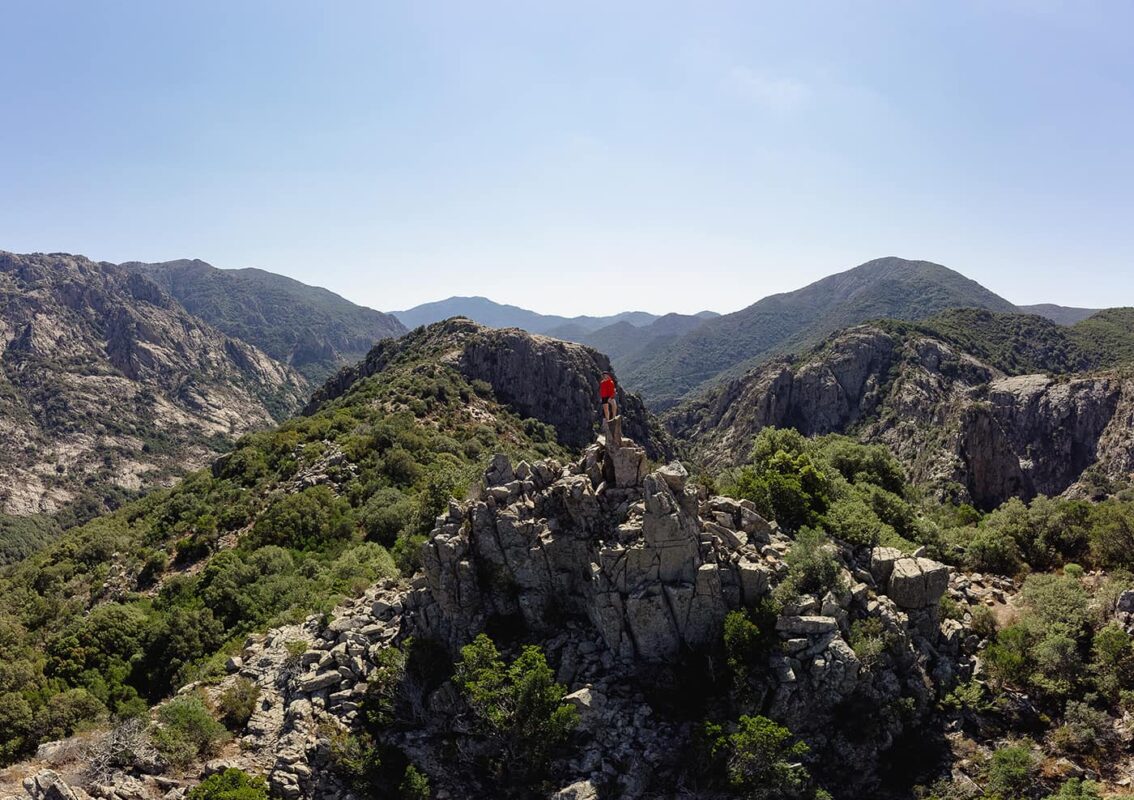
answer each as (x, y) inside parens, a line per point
(606, 388)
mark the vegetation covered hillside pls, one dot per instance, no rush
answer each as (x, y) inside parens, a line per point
(312, 329)
(115, 614)
(1022, 344)
(884, 288)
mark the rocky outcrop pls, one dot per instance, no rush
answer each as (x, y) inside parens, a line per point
(546, 379)
(621, 579)
(955, 422)
(654, 568)
(107, 382)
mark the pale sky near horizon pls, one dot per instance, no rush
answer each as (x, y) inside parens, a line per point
(584, 157)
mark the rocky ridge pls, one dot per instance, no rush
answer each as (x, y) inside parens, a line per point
(958, 424)
(106, 381)
(619, 573)
(550, 380)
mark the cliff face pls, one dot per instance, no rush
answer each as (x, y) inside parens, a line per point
(553, 381)
(959, 424)
(107, 382)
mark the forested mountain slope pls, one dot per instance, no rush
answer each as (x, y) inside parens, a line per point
(313, 330)
(883, 288)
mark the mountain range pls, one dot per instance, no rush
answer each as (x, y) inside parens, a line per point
(117, 378)
(670, 358)
(498, 315)
(108, 383)
(306, 327)
(891, 550)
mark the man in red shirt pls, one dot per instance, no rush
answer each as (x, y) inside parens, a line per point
(607, 393)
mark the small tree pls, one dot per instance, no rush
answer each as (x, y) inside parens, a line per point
(1012, 772)
(758, 759)
(237, 703)
(519, 707)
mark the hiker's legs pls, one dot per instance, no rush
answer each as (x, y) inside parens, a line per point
(612, 408)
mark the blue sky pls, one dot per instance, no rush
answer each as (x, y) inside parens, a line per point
(582, 157)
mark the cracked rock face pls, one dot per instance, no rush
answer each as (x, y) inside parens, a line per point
(951, 419)
(627, 552)
(917, 582)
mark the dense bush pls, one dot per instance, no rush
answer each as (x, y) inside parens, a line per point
(756, 759)
(783, 480)
(237, 703)
(519, 706)
(813, 567)
(308, 520)
(231, 784)
(1075, 789)
(1012, 772)
(187, 731)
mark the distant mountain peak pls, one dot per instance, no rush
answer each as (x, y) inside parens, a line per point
(309, 327)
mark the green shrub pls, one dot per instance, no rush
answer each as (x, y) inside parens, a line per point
(232, 784)
(983, 622)
(66, 713)
(179, 638)
(1074, 789)
(16, 721)
(757, 760)
(870, 641)
(384, 687)
(1009, 658)
(1085, 731)
(1112, 661)
(745, 646)
(1112, 535)
(853, 521)
(1012, 772)
(237, 703)
(308, 520)
(518, 706)
(993, 550)
(813, 567)
(783, 480)
(386, 514)
(414, 785)
(187, 732)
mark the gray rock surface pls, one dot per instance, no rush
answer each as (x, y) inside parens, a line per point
(950, 418)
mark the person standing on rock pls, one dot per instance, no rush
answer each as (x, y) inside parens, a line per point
(608, 392)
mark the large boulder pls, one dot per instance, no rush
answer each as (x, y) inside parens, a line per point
(917, 582)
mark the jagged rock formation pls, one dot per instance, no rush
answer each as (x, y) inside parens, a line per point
(108, 382)
(309, 328)
(553, 381)
(960, 425)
